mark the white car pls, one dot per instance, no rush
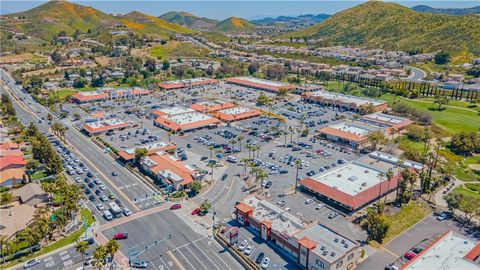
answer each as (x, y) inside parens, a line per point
(308, 201)
(243, 245)
(249, 249)
(100, 206)
(127, 212)
(319, 206)
(265, 263)
(31, 263)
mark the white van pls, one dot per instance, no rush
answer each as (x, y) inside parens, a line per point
(232, 159)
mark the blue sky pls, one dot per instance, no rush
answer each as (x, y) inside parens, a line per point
(226, 8)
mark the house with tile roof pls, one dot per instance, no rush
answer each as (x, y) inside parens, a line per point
(128, 155)
(12, 170)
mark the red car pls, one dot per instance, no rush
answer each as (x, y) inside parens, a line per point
(119, 236)
(175, 206)
(196, 211)
(409, 255)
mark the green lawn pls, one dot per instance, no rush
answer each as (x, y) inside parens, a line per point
(473, 187)
(405, 144)
(58, 244)
(158, 52)
(39, 175)
(453, 120)
(409, 215)
(466, 191)
(456, 103)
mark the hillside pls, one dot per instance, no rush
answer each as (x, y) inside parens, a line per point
(391, 26)
(188, 19)
(302, 19)
(449, 11)
(234, 24)
(147, 24)
(47, 20)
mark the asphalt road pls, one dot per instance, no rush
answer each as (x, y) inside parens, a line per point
(187, 246)
(417, 74)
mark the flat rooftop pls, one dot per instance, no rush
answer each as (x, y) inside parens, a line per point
(148, 147)
(356, 128)
(176, 110)
(187, 118)
(282, 221)
(207, 103)
(106, 123)
(329, 244)
(382, 117)
(394, 160)
(236, 110)
(347, 99)
(351, 178)
(262, 81)
(194, 80)
(446, 253)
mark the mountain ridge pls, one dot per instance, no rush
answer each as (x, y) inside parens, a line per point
(448, 11)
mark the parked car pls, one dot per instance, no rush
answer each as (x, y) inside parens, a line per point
(332, 215)
(308, 201)
(249, 249)
(31, 263)
(391, 267)
(259, 258)
(127, 212)
(417, 250)
(265, 263)
(243, 245)
(120, 236)
(175, 206)
(139, 264)
(409, 255)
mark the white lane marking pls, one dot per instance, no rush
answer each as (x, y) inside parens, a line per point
(206, 256)
(179, 252)
(193, 253)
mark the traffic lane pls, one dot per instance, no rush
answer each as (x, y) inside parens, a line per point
(146, 230)
(205, 254)
(377, 261)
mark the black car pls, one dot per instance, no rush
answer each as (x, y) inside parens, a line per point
(92, 198)
(89, 174)
(259, 258)
(268, 184)
(189, 145)
(84, 186)
(87, 180)
(90, 241)
(87, 191)
(98, 191)
(91, 185)
(224, 177)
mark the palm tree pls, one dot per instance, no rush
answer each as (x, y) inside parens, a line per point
(249, 147)
(169, 136)
(232, 142)
(81, 248)
(400, 162)
(211, 165)
(211, 151)
(245, 162)
(260, 176)
(99, 257)
(298, 162)
(3, 246)
(290, 129)
(239, 140)
(381, 175)
(30, 236)
(112, 247)
(389, 176)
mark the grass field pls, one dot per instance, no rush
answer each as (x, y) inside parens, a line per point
(406, 144)
(39, 175)
(451, 119)
(466, 191)
(175, 49)
(409, 215)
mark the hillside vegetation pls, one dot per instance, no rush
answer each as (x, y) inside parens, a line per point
(391, 26)
(234, 24)
(188, 19)
(47, 20)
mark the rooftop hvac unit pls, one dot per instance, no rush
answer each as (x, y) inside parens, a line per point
(366, 171)
(364, 184)
(336, 240)
(343, 241)
(325, 252)
(339, 175)
(333, 253)
(353, 178)
(322, 248)
(346, 245)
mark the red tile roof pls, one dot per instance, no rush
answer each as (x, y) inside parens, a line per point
(355, 201)
(307, 242)
(342, 134)
(267, 223)
(473, 253)
(243, 207)
(7, 161)
(127, 156)
(165, 162)
(236, 117)
(9, 145)
(177, 127)
(212, 108)
(103, 128)
(81, 97)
